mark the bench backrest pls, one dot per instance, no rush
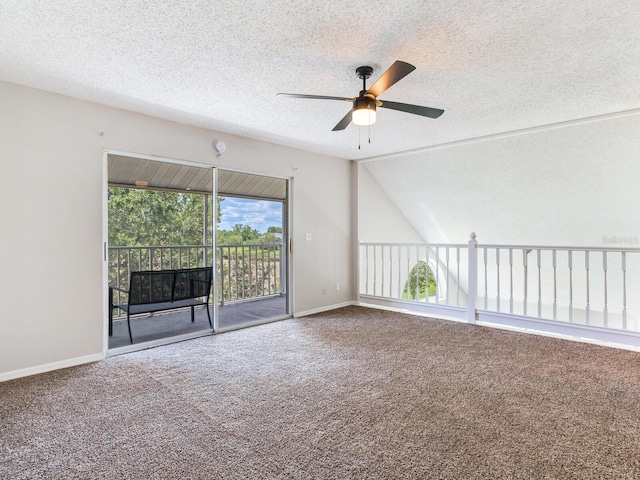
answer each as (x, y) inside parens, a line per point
(153, 286)
(158, 286)
(192, 283)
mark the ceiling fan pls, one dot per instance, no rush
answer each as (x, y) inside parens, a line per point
(364, 107)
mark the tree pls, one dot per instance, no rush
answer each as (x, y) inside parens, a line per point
(270, 237)
(246, 233)
(147, 217)
(141, 217)
(229, 238)
(417, 282)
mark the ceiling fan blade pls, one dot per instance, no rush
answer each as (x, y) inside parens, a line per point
(415, 109)
(317, 97)
(395, 73)
(344, 123)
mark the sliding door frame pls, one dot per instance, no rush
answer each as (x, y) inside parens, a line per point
(287, 229)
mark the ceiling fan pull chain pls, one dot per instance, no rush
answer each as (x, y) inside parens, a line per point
(369, 133)
(359, 137)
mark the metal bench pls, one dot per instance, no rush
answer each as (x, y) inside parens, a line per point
(159, 290)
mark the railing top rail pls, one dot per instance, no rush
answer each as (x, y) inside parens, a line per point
(196, 246)
(251, 245)
(506, 246)
(385, 244)
(157, 246)
(558, 247)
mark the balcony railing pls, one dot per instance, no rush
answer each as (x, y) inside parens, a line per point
(243, 272)
(249, 271)
(544, 288)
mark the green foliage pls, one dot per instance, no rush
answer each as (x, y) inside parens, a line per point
(241, 234)
(245, 235)
(229, 238)
(270, 237)
(157, 218)
(246, 232)
(416, 287)
(148, 217)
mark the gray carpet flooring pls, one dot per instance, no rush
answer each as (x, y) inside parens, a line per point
(352, 393)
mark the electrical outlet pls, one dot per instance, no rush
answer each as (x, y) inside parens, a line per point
(324, 290)
(337, 286)
(307, 237)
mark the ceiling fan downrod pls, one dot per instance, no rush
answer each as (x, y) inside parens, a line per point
(364, 73)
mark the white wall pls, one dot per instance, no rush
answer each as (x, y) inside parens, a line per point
(568, 184)
(379, 219)
(52, 299)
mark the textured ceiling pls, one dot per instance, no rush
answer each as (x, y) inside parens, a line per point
(492, 65)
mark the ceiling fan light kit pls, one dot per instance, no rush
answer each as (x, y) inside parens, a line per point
(365, 104)
(364, 111)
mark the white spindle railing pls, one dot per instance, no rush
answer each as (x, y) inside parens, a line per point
(586, 285)
(386, 269)
(582, 286)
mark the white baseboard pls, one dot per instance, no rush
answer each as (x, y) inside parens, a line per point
(548, 328)
(567, 331)
(72, 362)
(443, 312)
(323, 309)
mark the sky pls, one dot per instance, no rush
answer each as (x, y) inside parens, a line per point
(258, 214)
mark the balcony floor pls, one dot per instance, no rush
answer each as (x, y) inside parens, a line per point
(146, 328)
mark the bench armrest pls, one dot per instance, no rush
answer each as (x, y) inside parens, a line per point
(112, 305)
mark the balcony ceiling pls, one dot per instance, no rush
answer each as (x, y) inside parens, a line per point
(492, 65)
(126, 171)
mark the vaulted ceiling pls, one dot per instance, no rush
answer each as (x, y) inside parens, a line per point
(492, 65)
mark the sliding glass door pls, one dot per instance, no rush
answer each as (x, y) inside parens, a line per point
(192, 250)
(251, 249)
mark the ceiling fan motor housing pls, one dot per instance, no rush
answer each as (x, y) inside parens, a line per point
(361, 103)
